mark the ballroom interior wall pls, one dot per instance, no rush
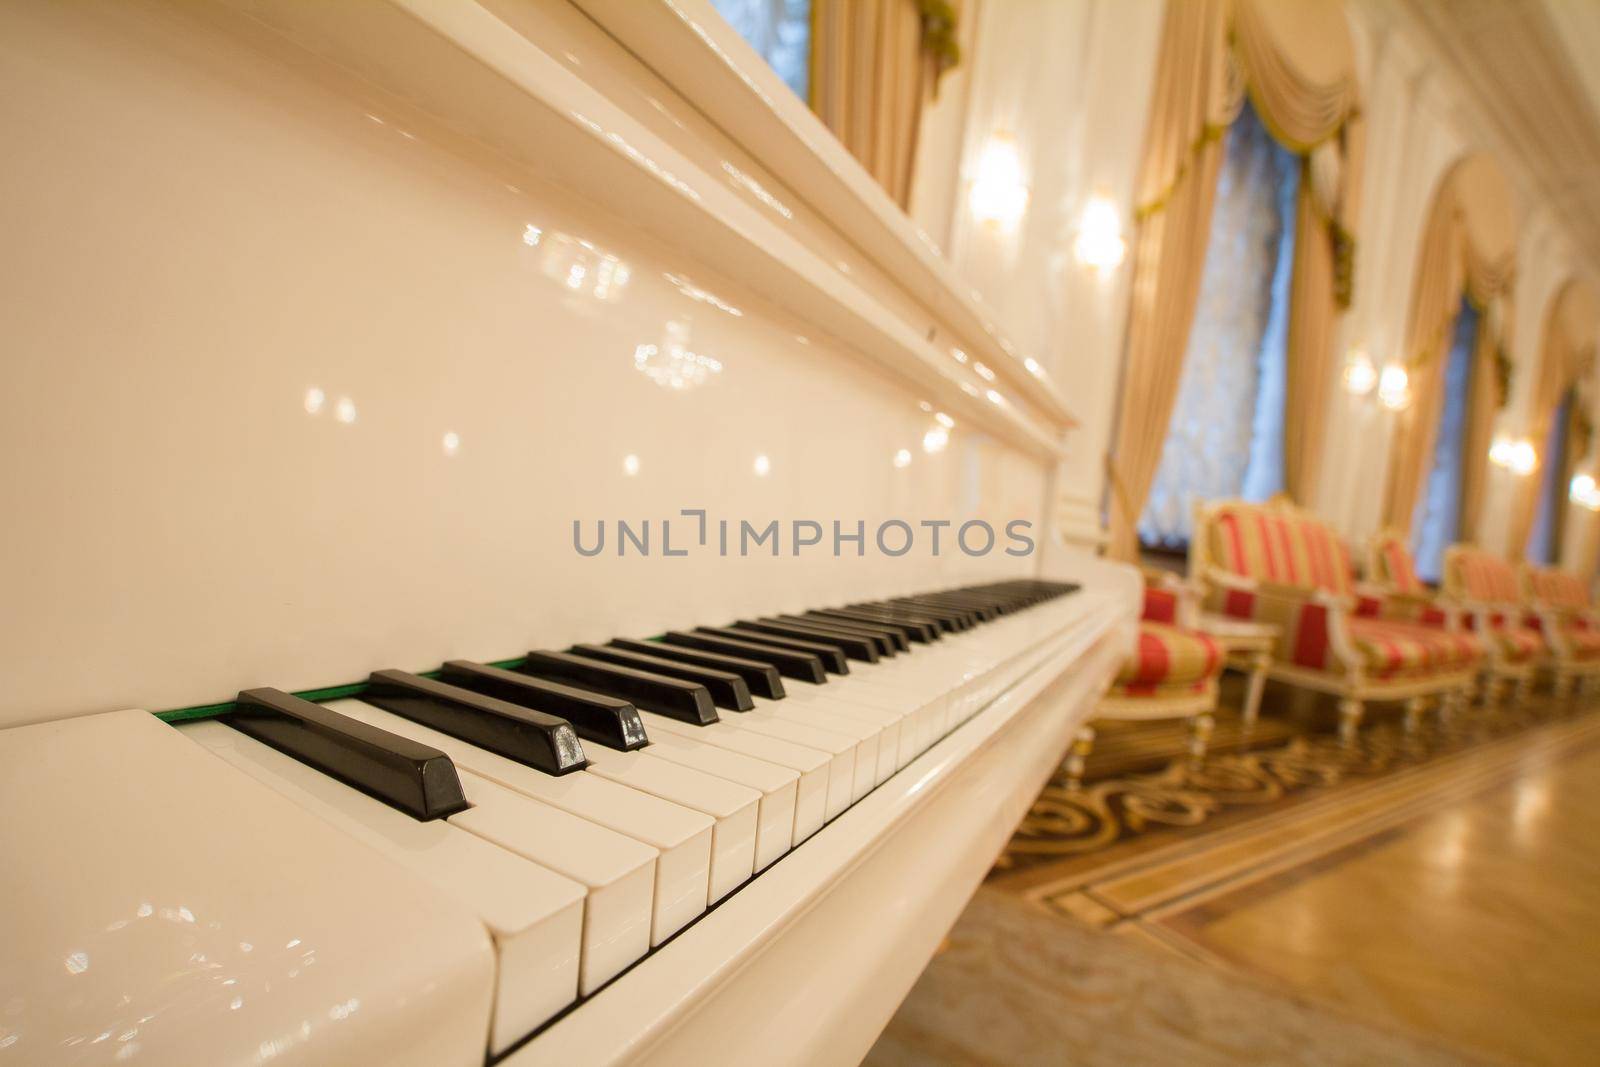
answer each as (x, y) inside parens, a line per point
(1070, 82)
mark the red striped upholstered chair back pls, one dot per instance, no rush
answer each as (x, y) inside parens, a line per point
(1389, 563)
(1274, 543)
(1555, 588)
(1470, 573)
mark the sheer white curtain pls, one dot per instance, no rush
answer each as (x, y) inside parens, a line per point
(1439, 517)
(780, 30)
(1226, 434)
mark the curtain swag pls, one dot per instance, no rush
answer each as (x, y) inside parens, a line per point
(1295, 60)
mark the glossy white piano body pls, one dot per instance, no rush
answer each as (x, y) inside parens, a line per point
(326, 322)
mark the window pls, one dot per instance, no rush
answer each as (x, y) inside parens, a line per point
(1544, 540)
(778, 29)
(1226, 434)
(1439, 518)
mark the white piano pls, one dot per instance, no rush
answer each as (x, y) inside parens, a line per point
(507, 547)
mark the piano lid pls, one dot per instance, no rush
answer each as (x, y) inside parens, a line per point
(336, 319)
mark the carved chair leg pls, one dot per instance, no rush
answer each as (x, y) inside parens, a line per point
(1415, 707)
(1252, 693)
(1524, 689)
(1200, 727)
(1494, 691)
(1082, 744)
(1350, 710)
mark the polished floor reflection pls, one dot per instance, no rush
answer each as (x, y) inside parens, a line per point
(1443, 888)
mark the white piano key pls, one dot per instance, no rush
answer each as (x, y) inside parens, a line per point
(777, 785)
(812, 707)
(534, 915)
(865, 735)
(733, 835)
(787, 727)
(618, 871)
(814, 766)
(156, 895)
(682, 837)
(922, 707)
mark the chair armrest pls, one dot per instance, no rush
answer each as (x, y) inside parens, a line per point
(1312, 624)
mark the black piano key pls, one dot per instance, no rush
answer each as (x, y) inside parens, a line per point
(530, 737)
(761, 678)
(833, 660)
(602, 719)
(787, 662)
(881, 640)
(672, 697)
(974, 609)
(945, 621)
(416, 778)
(903, 635)
(727, 689)
(948, 617)
(892, 640)
(926, 626)
(854, 646)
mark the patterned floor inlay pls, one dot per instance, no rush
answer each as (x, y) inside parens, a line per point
(1108, 815)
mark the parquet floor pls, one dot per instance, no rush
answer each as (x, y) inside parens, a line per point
(1427, 896)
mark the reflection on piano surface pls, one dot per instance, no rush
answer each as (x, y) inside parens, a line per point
(336, 319)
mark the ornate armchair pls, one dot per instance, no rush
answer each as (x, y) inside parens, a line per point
(1278, 564)
(1172, 674)
(1511, 649)
(1559, 607)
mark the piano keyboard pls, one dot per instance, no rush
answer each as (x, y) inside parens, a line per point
(586, 806)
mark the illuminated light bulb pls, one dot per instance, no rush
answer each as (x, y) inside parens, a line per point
(902, 458)
(1100, 244)
(1360, 375)
(1582, 490)
(345, 410)
(1500, 452)
(451, 443)
(1394, 387)
(994, 397)
(1033, 367)
(999, 197)
(1523, 457)
(983, 371)
(763, 466)
(630, 464)
(935, 440)
(944, 420)
(315, 398)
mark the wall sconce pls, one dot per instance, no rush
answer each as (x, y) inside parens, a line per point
(1517, 455)
(999, 197)
(1099, 244)
(1360, 374)
(1394, 387)
(1584, 491)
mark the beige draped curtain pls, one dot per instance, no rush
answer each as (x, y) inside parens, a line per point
(1565, 353)
(1295, 57)
(1453, 259)
(869, 77)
